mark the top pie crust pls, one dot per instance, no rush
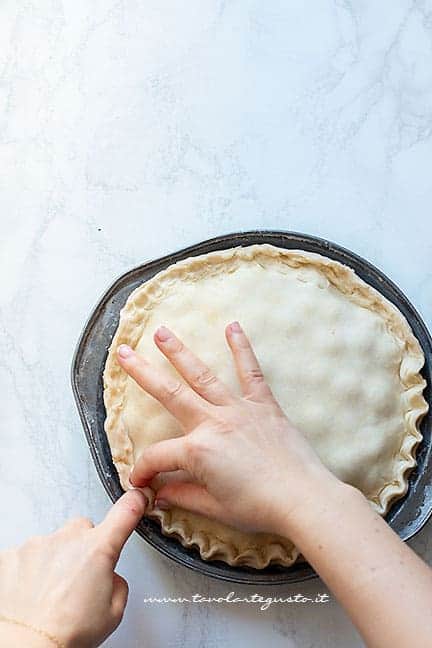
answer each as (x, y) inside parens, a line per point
(340, 358)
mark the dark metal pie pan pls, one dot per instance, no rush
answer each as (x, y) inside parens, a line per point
(407, 516)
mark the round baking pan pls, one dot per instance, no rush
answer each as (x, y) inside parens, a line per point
(407, 516)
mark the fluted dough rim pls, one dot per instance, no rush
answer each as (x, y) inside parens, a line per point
(132, 321)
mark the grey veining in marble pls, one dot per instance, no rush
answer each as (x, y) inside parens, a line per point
(131, 129)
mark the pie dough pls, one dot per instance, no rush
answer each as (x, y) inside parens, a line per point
(341, 360)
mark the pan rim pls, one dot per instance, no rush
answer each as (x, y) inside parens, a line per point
(185, 556)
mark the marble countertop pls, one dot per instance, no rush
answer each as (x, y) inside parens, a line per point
(131, 129)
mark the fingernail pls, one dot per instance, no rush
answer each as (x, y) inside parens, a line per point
(235, 327)
(124, 351)
(140, 500)
(162, 504)
(142, 496)
(163, 334)
(130, 486)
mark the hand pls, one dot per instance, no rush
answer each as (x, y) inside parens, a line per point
(249, 466)
(247, 463)
(65, 584)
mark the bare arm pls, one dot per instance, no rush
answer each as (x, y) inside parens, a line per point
(383, 585)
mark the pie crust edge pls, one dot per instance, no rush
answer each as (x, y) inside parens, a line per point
(129, 331)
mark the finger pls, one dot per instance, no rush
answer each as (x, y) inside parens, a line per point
(249, 372)
(174, 476)
(177, 397)
(164, 456)
(191, 368)
(189, 496)
(119, 597)
(120, 521)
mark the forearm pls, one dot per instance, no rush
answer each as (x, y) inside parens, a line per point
(385, 588)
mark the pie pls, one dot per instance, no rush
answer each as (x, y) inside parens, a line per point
(341, 360)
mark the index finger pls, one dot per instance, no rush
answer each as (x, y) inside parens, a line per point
(121, 520)
(177, 397)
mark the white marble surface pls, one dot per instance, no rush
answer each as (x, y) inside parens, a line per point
(130, 129)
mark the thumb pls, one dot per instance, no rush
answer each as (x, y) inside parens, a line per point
(190, 496)
(121, 520)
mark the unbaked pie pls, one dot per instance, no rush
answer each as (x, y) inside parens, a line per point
(341, 360)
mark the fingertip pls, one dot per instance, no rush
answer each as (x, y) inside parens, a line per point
(119, 522)
(125, 352)
(233, 333)
(145, 491)
(233, 328)
(131, 485)
(162, 334)
(136, 482)
(136, 501)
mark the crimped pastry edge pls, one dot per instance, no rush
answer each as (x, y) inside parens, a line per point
(132, 322)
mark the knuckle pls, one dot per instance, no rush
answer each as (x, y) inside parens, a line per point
(243, 342)
(173, 390)
(118, 614)
(205, 378)
(34, 542)
(82, 522)
(177, 346)
(195, 447)
(254, 375)
(126, 591)
(103, 550)
(124, 584)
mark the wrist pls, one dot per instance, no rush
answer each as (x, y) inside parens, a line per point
(323, 498)
(13, 634)
(329, 510)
